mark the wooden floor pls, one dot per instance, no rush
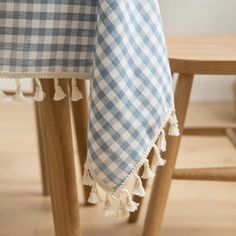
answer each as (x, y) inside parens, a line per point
(194, 208)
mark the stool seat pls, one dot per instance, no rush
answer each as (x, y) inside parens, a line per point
(202, 54)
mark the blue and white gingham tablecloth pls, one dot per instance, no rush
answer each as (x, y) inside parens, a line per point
(120, 46)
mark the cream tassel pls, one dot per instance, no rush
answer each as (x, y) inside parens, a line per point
(108, 211)
(76, 95)
(122, 212)
(138, 187)
(86, 179)
(19, 96)
(131, 206)
(2, 95)
(39, 94)
(59, 93)
(173, 129)
(147, 172)
(158, 161)
(94, 197)
(162, 141)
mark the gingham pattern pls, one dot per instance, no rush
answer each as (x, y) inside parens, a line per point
(131, 92)
(47, 35)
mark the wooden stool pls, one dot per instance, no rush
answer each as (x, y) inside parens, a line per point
(190, 56)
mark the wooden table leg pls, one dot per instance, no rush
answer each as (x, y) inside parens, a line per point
(42, 153)
(80, 117)
(55, 118)
(163, 178)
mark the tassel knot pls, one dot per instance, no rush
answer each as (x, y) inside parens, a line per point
(138, 187)
(147, 172)
(162, 141)
(59, 93)
(122, 212)
(76, 95)
(173, 129)
(131, 206)
(86, 179)
(108, 211)
(94, 197)
(19, 96)
(39, 94)
(158, 161)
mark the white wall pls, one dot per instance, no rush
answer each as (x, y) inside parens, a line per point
(204, 17)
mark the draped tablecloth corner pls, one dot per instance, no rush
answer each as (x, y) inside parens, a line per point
(131, 101)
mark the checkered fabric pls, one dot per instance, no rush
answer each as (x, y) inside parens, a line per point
(120, 43)
(131, 92)
(47, 35)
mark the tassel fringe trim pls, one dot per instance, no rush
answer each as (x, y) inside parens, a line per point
(39, 94)
(76, 95)
(126, 204)
(94, 196)
(108, 210)
(138, 187)
(19, 96)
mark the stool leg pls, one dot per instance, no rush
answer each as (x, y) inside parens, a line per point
(80, 115)
(55, 117)
(162, 181)
(42, 153)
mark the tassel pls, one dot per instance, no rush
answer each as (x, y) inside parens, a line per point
(2, 95)
(162, 141)
(19, 96)
(39, 94)
(122, 212)
(173, 129)
(108, 211)
(147, 172)
(138, 187)
(76, 95)
(86, 179)
(158, 161)
(94, 197)
(131, 206)
(59, 94)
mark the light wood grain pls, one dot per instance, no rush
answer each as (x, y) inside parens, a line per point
(80, 118)
(162, 181)
(57, 135)
(25, 212)
(202, 54)
(207, 174)
(42, 153)
(231, 134)
(205, 131)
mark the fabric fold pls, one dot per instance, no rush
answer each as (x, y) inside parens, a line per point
(131, 94)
